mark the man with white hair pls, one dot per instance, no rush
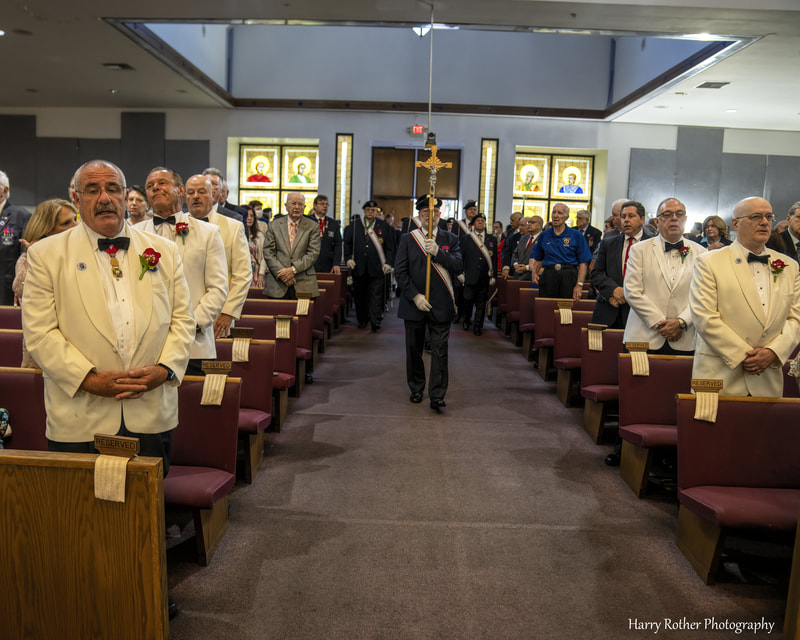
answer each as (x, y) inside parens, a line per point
(13, 220)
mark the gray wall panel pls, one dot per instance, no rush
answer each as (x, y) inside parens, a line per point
(651, 177)
(782, 187)
(18, 156)
(142, 143)
(56, 161)
(698, 169)
(187, 157)
(98, 149)
(742, 176)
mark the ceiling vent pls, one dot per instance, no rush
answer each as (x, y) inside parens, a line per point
(711, 85)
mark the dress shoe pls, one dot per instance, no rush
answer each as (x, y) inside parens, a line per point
(172, 607)
(309, 379)
(477, 331)
(376, 328)
(362, 325)
(416, 397)
(466, 325)
(612, 459)
(437, 403)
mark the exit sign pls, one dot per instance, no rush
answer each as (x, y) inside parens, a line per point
(418, 129)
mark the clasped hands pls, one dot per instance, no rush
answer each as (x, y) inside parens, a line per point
(124, 385)
(617, 297)
(286, 275)
(669, 329)
(758, 360)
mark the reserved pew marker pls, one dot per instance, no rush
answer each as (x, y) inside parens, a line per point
(596, 336)
(240, 350)
(216, 374)
(707, 403)
(110, 468)
(640, 365)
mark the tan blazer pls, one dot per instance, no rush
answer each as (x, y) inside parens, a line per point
(206, 272)
(302, 256)
(730, 320)
(652, 297)
(237, 254)
(69, 331)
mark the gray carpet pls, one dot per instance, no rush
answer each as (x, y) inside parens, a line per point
(372, 517)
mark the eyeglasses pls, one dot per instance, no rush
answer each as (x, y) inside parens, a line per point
(668, 215)
(756, 218)
(112, 189)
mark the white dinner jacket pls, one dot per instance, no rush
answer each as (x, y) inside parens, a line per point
(730, 320)
(653, 297)
(237, 254)
(69, 331)
(206, 272)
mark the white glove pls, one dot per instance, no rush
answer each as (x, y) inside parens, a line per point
(387, 268)
(461, 278)
(351, 263)
(422, 303)
(431, 246)
(491, 282)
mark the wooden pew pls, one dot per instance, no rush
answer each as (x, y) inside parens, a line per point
(202, 470)
(306, 349)
(599, 380)
(527, 322)
(285, 362)
(10, 347)
(740, 472)
(545, 328)
(255, 410)
(791, 621)
(500, 303)
(10, 318)
(567, 355)
(74, 566)
(23, 397)
(511, 324)
(339, 298)
(647, 417)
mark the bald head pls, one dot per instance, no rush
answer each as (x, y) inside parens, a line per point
(752, 221)
(200, 195)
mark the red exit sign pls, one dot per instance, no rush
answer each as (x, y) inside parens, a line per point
(418, 129)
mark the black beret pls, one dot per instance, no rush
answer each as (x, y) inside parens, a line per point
(478, 215)
(470, 203)
(370, 203)
(422, 202)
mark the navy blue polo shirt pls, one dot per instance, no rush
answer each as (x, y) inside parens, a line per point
(568, 248)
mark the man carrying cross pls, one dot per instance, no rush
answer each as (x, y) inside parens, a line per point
(435, 312)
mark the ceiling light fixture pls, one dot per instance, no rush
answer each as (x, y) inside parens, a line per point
(730, 110)
(2, 33)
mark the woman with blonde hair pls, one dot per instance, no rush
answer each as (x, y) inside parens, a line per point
(716, 232)
(49, 218)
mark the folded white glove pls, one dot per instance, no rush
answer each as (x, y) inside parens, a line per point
(431, 246)
(461, 278)
(387, 268)
(422, 303)
(491, 282)
(351, 263)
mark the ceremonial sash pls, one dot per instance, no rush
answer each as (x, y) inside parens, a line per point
(419, 238)
(463, 226)
(479, 243)
(376, 242)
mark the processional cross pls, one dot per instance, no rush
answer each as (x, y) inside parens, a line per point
(433, 165)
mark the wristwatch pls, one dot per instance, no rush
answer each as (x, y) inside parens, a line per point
(170, 372)
(580, 284)
(682, 322)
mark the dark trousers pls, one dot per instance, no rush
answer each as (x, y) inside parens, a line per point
(195, 366)
(458, 292)
(154, 445)
(439, 333)
(558, 284)
(667, 350)
(368, 295)
(476, 295)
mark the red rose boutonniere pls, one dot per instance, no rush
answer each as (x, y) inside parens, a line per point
(777, 267)
(182, 230)
(684, 251)
(149, 261)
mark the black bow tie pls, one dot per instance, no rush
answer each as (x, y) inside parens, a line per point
(668, 246)
(752, 257)
(106, 243)
(157, 221)
(204, 219)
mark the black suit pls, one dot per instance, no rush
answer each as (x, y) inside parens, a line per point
(522, 255)
(607, 276)
(330, 253)
(369, 280)
(410, 270)
(791, 248)
(593, 235)
(477, 273)
(508, 248)
(235, 216)
(13, 220)
(235, 208)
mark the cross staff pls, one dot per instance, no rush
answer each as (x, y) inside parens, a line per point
(432, 164)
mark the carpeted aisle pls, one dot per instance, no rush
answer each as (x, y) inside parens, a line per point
(372, 517)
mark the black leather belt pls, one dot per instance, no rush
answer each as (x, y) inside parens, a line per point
(559, 267)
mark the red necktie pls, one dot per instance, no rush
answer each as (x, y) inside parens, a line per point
(528, 246)
(627, 253)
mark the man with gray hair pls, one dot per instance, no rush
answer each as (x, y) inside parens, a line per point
(217, 179)
(13, 220)
(592, 234)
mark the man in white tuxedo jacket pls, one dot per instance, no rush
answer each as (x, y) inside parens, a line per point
(199, 201)
(746, 307)
(202, 253)
(111, 335)
(656, 285)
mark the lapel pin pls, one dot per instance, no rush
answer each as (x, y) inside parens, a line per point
(738, 261)
(81, 266)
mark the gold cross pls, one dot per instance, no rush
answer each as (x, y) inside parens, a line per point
(433, 164)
